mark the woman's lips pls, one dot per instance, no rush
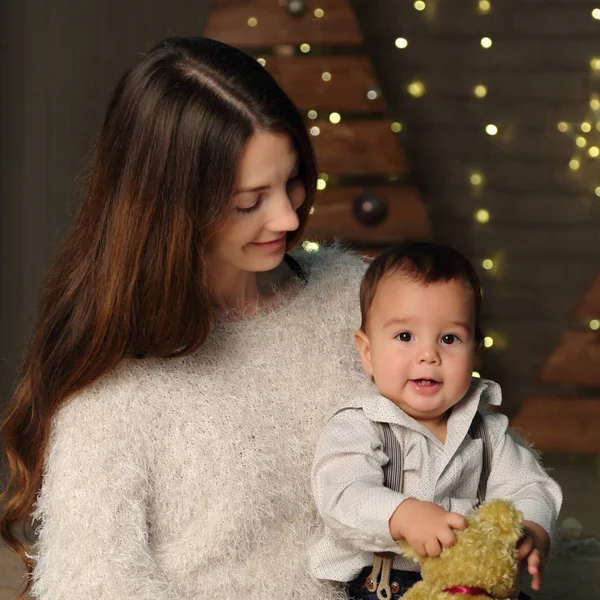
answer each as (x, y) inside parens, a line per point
(271, 244)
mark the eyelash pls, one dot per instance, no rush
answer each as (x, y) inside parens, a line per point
(251, 209)
(453, 335)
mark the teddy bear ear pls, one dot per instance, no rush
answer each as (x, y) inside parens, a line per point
(503, 516)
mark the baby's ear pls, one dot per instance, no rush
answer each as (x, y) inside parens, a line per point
(364, 349)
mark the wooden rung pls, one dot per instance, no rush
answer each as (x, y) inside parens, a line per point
(334, 218)
(575, 361)
(358, 147)
(351, 78)
(229, 23)
(561, 423)
(590, 304)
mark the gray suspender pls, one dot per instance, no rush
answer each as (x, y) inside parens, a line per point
(392, 471)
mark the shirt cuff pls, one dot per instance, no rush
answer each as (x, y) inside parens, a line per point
(538, 513)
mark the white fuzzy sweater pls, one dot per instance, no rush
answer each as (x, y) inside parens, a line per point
(189, 478)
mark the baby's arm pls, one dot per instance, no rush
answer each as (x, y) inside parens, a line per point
(516, 475)
(347, 480)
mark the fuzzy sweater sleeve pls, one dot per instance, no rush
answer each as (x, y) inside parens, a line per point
(93, 535)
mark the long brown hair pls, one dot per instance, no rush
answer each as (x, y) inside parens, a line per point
(130, 280)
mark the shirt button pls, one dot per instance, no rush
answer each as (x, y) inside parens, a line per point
(395, 587)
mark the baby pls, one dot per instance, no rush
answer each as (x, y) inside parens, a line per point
(420, 305)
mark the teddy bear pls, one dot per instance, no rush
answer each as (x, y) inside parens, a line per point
(482, 564)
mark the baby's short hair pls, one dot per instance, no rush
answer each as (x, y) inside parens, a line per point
(421, 262)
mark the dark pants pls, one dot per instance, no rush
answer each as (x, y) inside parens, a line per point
(401, 581)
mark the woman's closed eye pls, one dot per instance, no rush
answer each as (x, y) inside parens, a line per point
(245, 210)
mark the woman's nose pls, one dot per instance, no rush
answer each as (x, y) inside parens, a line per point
(283, 216)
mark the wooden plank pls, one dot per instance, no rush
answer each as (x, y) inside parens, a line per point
(589, 307)
(575, 361)
(351, 78)
(334, 219)
(358, 147)
(560, 423)
(229, 23)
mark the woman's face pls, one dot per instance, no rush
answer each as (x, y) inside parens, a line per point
(266, 195)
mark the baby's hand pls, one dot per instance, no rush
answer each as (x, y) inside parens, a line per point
(532, 550)
(425, 526)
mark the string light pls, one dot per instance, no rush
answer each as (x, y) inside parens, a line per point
(326, 76)
(586, 127)
(305, 48)
(310, 246)
(491, 129)
(419, 5)
(315, 131)
(321, 184)
(563, 127)
(416, 89)
(594, 151)
(476, 374)
(476, 179)
(373, 94)
(580, 141)
(480, 91)
(319, 13)
(488, 341)
(401, 43)
(487, 264)
(324, 176)
(574, 164)
(595, 324)
(597, 191)
(335, 118)
(595, 104)
(482, 216)
(261, 61)
(484, 6)
(595, 64)
(596, 13)
(486, 42)
(312, 114)
(252, 22)
(312, 210)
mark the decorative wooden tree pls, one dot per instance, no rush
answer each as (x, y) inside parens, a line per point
(315, 50)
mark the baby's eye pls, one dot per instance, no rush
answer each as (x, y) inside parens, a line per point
(450, 338)
(404, 336)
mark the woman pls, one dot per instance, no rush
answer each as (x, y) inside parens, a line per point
(163, 427)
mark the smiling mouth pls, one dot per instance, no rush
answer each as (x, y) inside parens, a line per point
(425, 382)
(276, 241)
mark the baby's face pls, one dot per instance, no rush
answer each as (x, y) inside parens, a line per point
(419, 345)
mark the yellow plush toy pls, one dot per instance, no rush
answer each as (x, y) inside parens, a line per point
(482, 564)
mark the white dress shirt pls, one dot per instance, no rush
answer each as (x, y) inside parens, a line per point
(347, 476)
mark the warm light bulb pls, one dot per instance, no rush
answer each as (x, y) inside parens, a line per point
(487, 264)
(594, 151)
(596, 13)
(416, 89)
(419, 5)
(401, 42)
(372, 94)
(261, 61)
(480, 91)
(476, 374)
(482, 216)
(312, 210)
(305, 48)
(252, 22)
(484, 6)
(396, 127)
(312, 114)
(310, 246)
(319, 13)
(562, 126)
(486, 42)
(476, 179)
(574, 164)
(335, 118)
(491, 129)
(326, 76)
(581, 141)
(597, 191)
(315, 131)
(321, 184)
(595, 324)
(586, 127)
(595, 64)
(488, 341)
(595, 104)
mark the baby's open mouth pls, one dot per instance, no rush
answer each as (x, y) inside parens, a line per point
(425, 382)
